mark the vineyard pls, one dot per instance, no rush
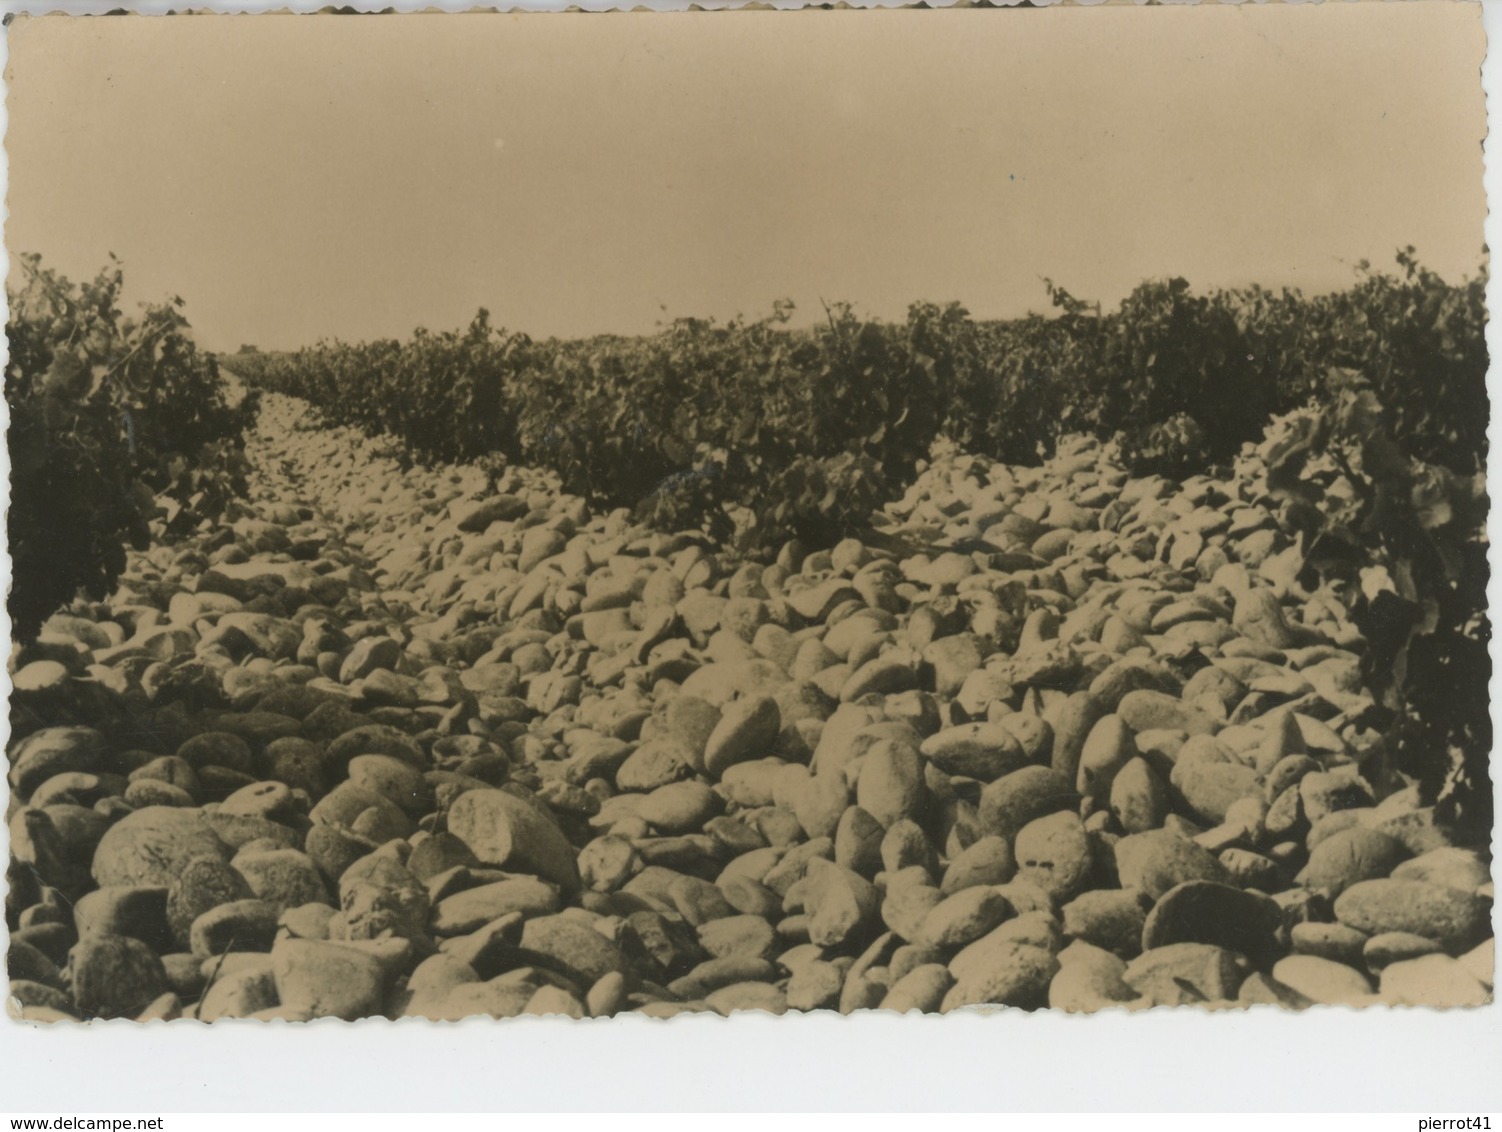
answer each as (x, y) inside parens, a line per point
(1099, 658)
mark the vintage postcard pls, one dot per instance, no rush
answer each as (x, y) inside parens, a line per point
(830, 510)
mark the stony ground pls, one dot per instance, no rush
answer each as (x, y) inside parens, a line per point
(409, 743)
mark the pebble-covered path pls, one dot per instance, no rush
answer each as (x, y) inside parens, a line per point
(411, 743)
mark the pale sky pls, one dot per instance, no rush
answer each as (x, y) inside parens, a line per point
(296, 177)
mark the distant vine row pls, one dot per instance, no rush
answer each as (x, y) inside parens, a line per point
(798, 431)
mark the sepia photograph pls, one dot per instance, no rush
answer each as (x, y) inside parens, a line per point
(747, 512)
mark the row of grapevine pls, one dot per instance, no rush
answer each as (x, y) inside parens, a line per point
(799, 431)
(1186, 379)
(116, 423)
(1402, 542)
(751, 430)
